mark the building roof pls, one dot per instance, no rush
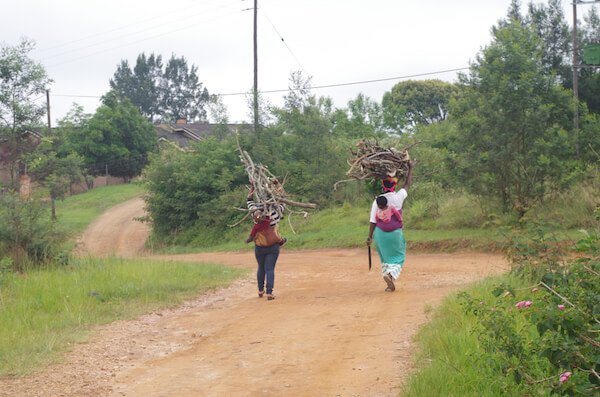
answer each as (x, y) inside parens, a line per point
(186, 134)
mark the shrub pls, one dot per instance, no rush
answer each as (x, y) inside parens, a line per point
(27, 235)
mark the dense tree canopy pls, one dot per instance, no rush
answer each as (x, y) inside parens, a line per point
(116, 139)
(167, 93)
(416, 102)
(515, 121)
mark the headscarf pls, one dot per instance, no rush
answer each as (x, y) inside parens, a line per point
(389, 184)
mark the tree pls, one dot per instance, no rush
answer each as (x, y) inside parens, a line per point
(22, 81)
(362, 118)
(551, 26)
(416, 102)
(117, 138)
(182, 94)
(169, 94)
(55, 172)
(515, 142)
(141, 85)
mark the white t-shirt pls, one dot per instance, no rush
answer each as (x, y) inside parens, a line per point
(395, 199)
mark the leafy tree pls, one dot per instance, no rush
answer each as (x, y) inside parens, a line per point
(416, 102)
(182, 94)
(185, 188)
(362, 118)
(55, 171)
(117, 138)
(514, 120)
(551, 26)
(168, 93)
(141, 85)
(22, 81)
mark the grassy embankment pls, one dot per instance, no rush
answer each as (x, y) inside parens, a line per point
(347, 227)
(44, 311)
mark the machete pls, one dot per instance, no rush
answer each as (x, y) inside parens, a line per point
(369, 250)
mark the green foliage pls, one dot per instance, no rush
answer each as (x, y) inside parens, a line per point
(411, 103)
(26, 234)
(186, 189)
(117, 138)
(514, 133)
(22, 80)
(544, 338)
(168, 94)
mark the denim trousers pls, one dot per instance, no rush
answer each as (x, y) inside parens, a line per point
(266, 258)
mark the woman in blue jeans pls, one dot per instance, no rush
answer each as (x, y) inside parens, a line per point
(267, 243)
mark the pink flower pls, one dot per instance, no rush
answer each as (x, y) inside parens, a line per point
(523, 304)
(564, 377)
(561, 307)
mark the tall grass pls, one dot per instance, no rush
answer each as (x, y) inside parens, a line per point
(43, 311)
(449, 358)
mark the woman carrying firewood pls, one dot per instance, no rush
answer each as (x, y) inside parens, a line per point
(267, 241)
(386, 227)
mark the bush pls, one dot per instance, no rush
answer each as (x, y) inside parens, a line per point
(544, 339)
(27, 235)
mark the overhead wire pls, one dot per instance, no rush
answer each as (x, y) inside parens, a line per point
(144, 39)
(162, 15)
(281, 37)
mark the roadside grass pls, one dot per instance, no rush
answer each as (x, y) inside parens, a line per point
(347, 226)
(449, 359)
(43, 312)
(75, 213)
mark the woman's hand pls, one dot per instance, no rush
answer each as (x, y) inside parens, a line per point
(369, 240)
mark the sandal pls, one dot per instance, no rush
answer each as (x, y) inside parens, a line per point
(390, 283)
(261, 293)
(270, 297)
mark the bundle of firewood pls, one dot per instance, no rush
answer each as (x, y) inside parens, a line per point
(268, 190)
(374, 161)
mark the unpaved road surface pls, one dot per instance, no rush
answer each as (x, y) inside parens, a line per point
(331, 331)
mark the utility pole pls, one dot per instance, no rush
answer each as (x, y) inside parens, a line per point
(576, 67)
(575, 82)
(255, 69)
(48, 108)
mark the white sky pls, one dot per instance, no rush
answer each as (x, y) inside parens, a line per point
(81, 42)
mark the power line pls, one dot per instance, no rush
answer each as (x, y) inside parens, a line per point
(78, 49)
(141, 40)
(282, 40)
(356, 82)
(162, 15)
(314, 87)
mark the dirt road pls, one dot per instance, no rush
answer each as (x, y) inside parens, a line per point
(331, 331)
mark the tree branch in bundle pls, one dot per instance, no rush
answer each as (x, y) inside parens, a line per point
(269, 192)
(374, 161)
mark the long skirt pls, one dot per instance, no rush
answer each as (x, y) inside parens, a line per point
(391, 248)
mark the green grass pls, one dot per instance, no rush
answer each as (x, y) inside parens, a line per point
(447, 361)
(347, 226)
(43, 311)
(76, 212)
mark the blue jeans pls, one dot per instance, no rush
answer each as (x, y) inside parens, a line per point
(266, 258)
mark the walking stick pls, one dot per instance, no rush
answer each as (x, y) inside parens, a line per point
(369, 250)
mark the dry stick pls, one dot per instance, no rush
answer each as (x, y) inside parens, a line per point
(297, 204)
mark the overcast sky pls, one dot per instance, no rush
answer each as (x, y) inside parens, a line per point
(81, 42)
